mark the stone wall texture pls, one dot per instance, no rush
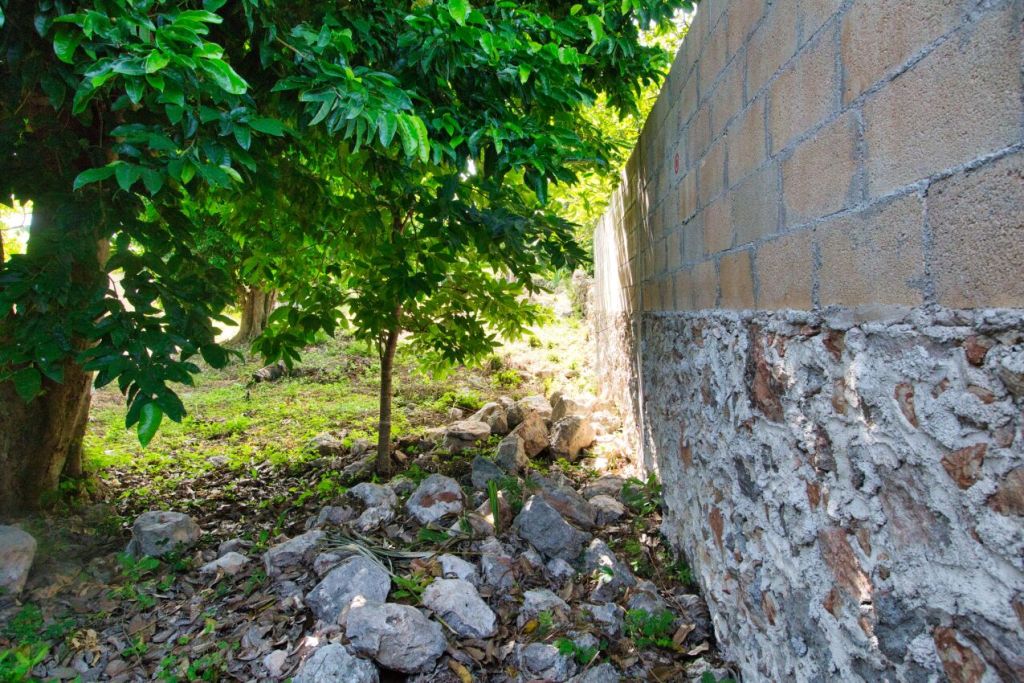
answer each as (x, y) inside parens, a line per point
(809, 298)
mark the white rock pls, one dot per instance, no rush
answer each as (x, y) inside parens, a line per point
(560, 569)
(494, 416)
(613, 575)
(570, 435)
(399, 637)
(484, 471)
(563, 406)
(275, 662)
(332, 663)
(299, 550)
(229, 564)
(534, 433)
(511, 455)
(535, 404)
(545, 662)
(453, 567)
(17, 551)
(357, 579)
(541, 600)
(465, 434)
(373, 495)
(157, 533)
(436, 497)
(602, 673)
(461, 607)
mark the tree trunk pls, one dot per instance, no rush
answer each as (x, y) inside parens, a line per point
(384, 465)
(41, 440)
(257, 305)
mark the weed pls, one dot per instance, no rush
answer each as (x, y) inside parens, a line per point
(506, 379)
(412, 586)
(708, 677)
(643, 497)
(648, 630)
(17, 663)
(492, 498)
(545, 622)
(582, 655)
(464, 399)
(138, 648)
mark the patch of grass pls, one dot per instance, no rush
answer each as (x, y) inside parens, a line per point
(583, 655)
(650, 630)
(643, 497)
(506, 379)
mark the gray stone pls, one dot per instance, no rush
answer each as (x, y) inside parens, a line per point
(399, 637)
(605, 422)
(358, 578)
(535, 404)
(534, 433)
(560, 569)
(327, 445)
(157, 533)
(602, 673)
(613, 576)
(544, 661)
(334, 515)
(541, 600)
(331, 663)
(17, 551)
(453, 567)
(609, 617)
(645, 597)
(362, 447)
(461, 607)
(299, 550)
(494, 416)
(546, 530)
(608, 485)
(229, 564)
(570, 435)
(402, 485)
(497, 571)
(373, 495)
(569, 504)
(511, 455)
(231, 546)
(564, 406)
(1011, 371)
(374, 518)
(361, 468)
(325, 562)
(484, 471)
(608, 509)
(465, 434)
(513, 413)
(436, 497)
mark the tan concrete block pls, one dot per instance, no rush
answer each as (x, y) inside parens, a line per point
(821, 177)
(960, 102)
(711, 173)
(712, 59)
(717, 226)
(660, 257)
(814, 14)
(784, 272)
(727, 99)
(754, 205)
(743, 17)
(698, 135)
(686, 194)
(705, 285)
(875, 257)
(805, 94)
(737, 281)
(977, 223)
(674, 249)
(650, 297)
(693, 239)
(747, 141)
(682, 287)
(907, 27)
(772, 44)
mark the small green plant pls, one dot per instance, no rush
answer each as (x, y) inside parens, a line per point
(492, 498)
(708, 677)
(648, 630)
(465, 399)
(545, 622)
(16, 664)
(411, 587)
(643, 497)
(506, 379)
(137, 648)
(583, 655)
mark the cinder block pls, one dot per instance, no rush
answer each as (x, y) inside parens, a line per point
(693, 239)
(821, 177)
(785, 271)
(686, 194)
(737, 281)
(727, 99)
(712, 59)
(688, 98)
(754, 205)
(682, 287)
(875, 257)
(717, 226)
(711, 173)
(772, 44)
(674, 249)
(747, 142)
(698, 135)
(743, 17)
(705, 285)
(805, 94)
(907, 27)
(960, 102)
(977, 223)
(815, 13)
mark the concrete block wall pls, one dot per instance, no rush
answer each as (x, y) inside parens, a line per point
(814, 171)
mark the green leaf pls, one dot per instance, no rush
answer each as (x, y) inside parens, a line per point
(28, 382)
(524, 72)
(224, 76)
(268, 126)
(422, 141)
(149, 423)
(596, 26)
(93, 175)
(156, 61)
(459, 9)
(65, 42)
(406, 130)
(127, 175)
(388, 126)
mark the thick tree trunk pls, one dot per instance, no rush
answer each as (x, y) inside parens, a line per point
(41, 440)
(257, 305)
(384, 465)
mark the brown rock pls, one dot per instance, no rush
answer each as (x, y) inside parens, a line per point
(764, 388)
(1009, 497)
(813, 494)
(976, 348)
(717, 525)
(534, 433)
(838, 554)
(964, 466)
(904, 395)
(961, 663)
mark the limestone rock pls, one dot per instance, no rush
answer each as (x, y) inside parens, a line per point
(332, 662)
(564, 406)
(544, 661)
(1011, 371)
(608, 509)
(570, 435)
(333, 515)
(453, 567)
(602, 673)
(399, 637)
(373, 495)
(435, 497)
(511, 455)
(299, 550)
(461, 607)
(229, 564)
(484, 471)
(609, 617)
(374, 518)
(546, 530)
(534, 433)
(613, 575)
(465, 434)
(541, 600)
(494, 416)
(157, 533)
(497, 571)
(608, 485)
(513, 413)
(535, 404)
(17, 551)
(358, 578)
(569, 504)
(327, 445)
(560, 569)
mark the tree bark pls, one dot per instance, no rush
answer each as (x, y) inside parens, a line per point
(384, 464)
(41, 440)
(257, 305)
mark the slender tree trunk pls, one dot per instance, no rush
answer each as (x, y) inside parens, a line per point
(41, 440)
(384, 465)
(257, 305)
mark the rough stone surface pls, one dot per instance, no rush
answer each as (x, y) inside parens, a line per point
(582, 405)
(331, 663)
(484, 470)
(608, 485)
(533, 432)
(570, 435)
(545, 662)
(399, 637)
(436, 497)
(299, 550)
(157, 533)
(230, 564)
(494, 416)
(613, 575)
(541, 600)
(357, 579)
(453, 567)
(511, 455)
(461, 607)
(542, 526)
(17, 550)
(566, 501)
(465, 434)
(535, 404)
(602, 673)
(373, 495)
(608, 509)
(609, 617)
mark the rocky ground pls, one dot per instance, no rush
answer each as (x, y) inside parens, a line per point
(508, 549)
